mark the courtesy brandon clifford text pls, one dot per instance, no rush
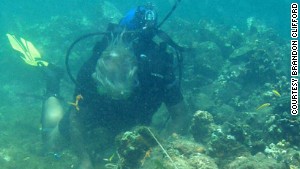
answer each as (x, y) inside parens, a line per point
(294, 58)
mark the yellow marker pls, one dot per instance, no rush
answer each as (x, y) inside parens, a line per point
(263, 106)
(276, 93)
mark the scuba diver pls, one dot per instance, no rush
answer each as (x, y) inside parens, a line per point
(125, 81)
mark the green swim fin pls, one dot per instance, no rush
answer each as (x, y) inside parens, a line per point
(30, 55)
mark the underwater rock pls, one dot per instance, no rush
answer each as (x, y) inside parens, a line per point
(110, 12)
(225, 146)
(256, 68)
(241, 54)
(203, 63)
(187, 147)
(283, 126)
(234, 38)
(210, 31)
(194, 161)
(292, 158)
(202, 124)
(249, 60)
(208, 59)
(202, 161)
(259, 30)
(254, 26)
(223, 113)
(259, 68)
(134, 146)
(282, 104)
(258, 161)
(180, 31)
(277, 151)
(186, 154)
(200, 100)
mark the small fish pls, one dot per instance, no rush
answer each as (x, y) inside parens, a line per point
(110, 158)
(276, 93)
(263, 106)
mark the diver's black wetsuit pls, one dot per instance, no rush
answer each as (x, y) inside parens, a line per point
(157, 85)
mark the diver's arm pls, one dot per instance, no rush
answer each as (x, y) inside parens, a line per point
(177, 108)
(53, 75)
(179, 118)
(174, 100)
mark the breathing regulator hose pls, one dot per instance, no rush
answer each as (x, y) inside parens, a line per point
(71, 48)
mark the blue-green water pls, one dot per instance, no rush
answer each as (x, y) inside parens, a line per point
(231, 12)
(236, 73)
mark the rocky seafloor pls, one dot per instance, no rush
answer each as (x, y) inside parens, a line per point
(235, 82)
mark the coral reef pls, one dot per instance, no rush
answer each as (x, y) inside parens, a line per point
(110, 12)
(257, 161)
(185, 154)
(201, 127)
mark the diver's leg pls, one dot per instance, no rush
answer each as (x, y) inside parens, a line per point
(52, 74)
(52, 111)
(51, 115)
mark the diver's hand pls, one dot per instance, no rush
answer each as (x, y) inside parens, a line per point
(86, 164)
(175, 127)
(179, 123)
